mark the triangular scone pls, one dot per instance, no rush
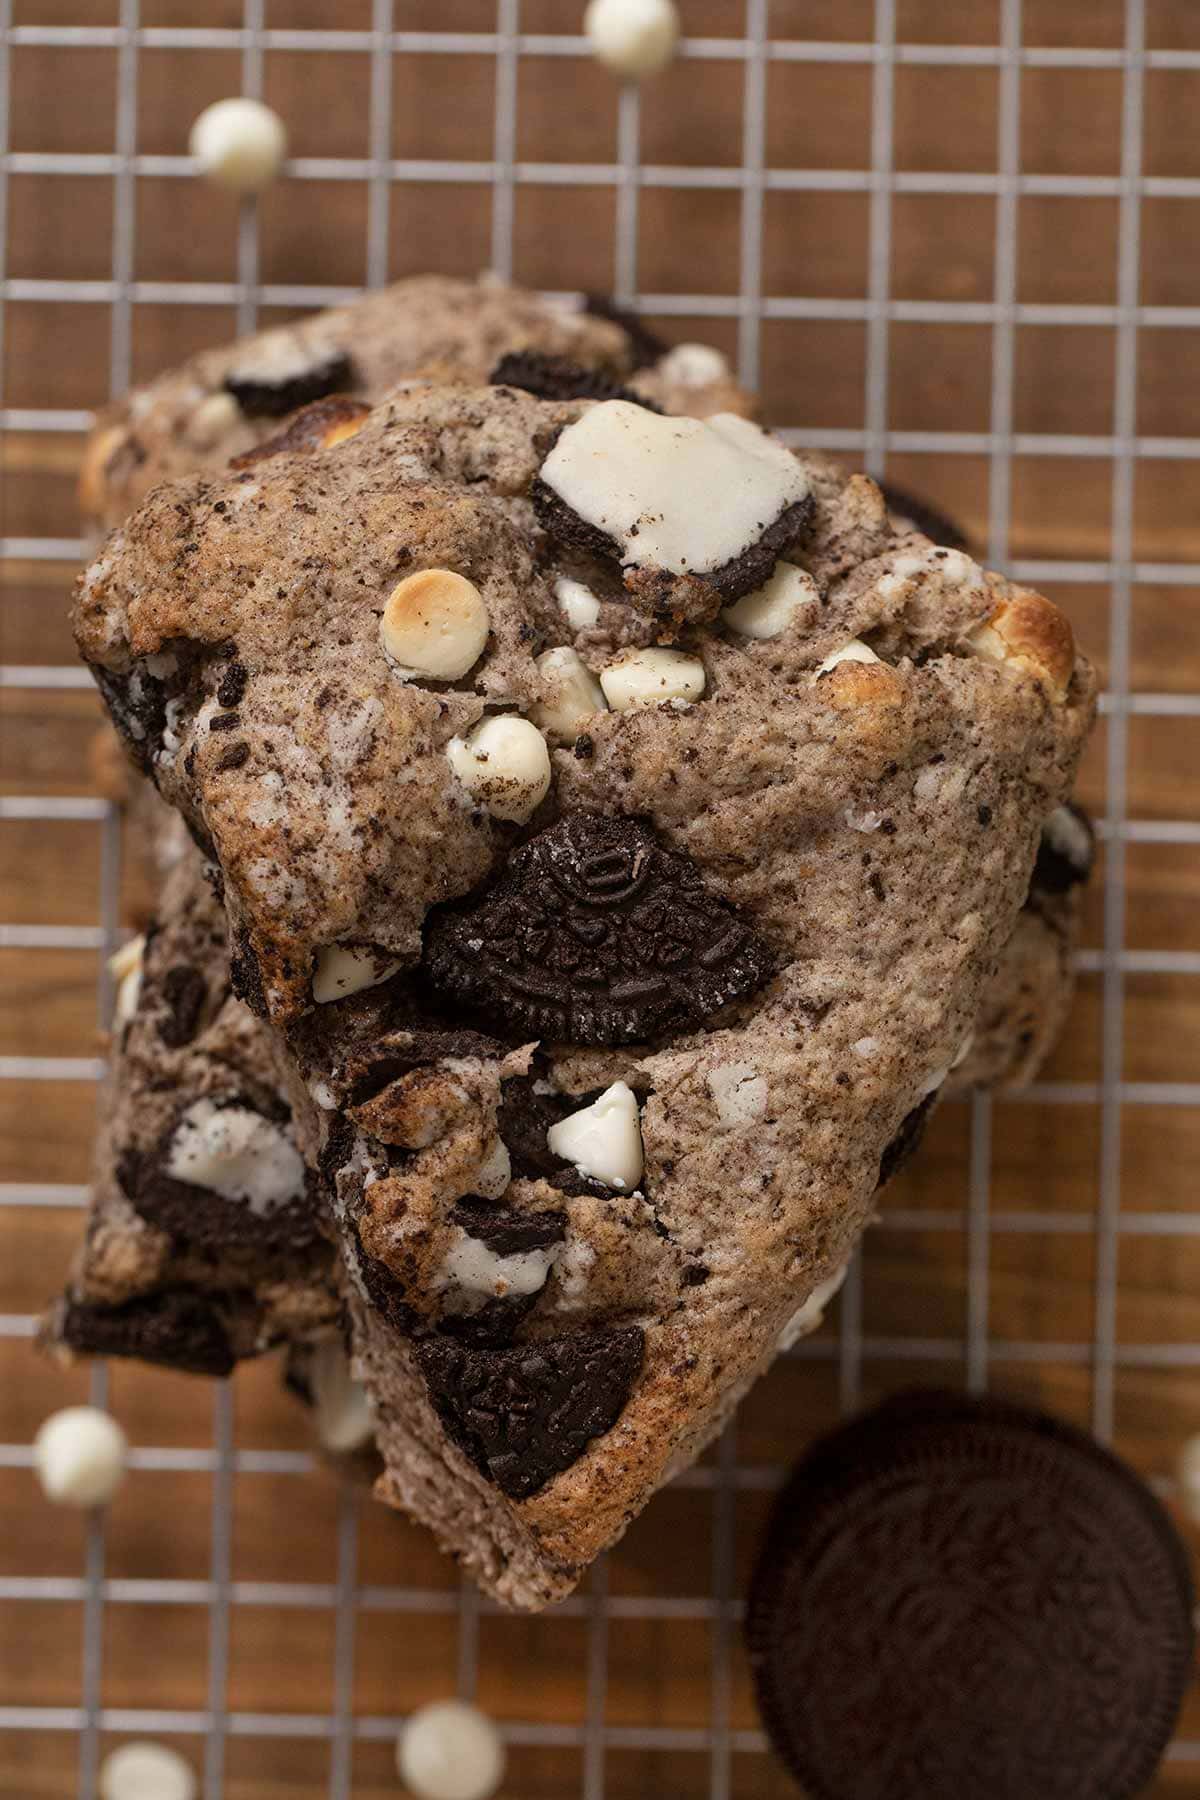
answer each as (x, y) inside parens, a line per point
(203, 1242)
(224, 402)
(755, 860)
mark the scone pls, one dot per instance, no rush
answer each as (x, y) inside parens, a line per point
(618, 824)
(223, 402)
(203, 1243)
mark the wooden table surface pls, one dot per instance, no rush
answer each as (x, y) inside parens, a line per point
(1029, 1289)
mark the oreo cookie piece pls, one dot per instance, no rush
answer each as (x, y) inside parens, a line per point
(557, 378)
(137, 706)
(907, 1141)
(908, 510)
(523, 1415)
(507, 1230)
(1066, 851)
(284, 377)
(174, 1327)
(185, 992)
(225, 1177)
(645, 345)
(594, 934)
(676, 502)
(960, 1599)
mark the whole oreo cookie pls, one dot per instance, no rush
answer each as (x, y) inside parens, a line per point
(963, 1600)
(594, 934)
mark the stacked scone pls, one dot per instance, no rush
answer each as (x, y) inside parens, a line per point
(611, 836)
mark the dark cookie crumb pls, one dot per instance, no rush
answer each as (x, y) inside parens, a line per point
(906, 1142)
(234, 757)
(523, 1415)
(927, 519)
(1055, 870)
(233, 684)
(245, 976)
(225, 721)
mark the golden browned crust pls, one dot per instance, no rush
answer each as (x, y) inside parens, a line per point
(1028, 632)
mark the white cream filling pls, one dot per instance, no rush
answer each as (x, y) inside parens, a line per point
(687, 495)
(481, 1275)
(238, 1154)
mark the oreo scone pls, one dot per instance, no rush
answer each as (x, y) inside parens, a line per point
(203, 1243)
(224, 402)
(618, 823)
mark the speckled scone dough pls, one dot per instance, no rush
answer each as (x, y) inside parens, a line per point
(655, 1006)
(224, 402)
(203, 1243)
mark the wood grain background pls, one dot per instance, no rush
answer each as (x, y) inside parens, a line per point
(662, 1672)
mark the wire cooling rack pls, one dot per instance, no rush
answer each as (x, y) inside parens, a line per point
(958, 244)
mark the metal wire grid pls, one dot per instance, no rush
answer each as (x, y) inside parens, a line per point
(1000, 444)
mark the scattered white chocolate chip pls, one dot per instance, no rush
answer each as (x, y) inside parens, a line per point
(79, 1456)
(692, 365)
(571, 693)
(146, 1771)
(603, 1140)
(964, 1049)
(854, 651)
(686, 495)
(580, 607)
(1187, 1469)
(238, 1154)
(125, 966)
(633, 38)
(651, 676)
(865, 1046)
(343, 969)
(807, 1317)
(239, 144)
(494, 1172)
(771, 608)
(450, 1751)
(740, 1093)
(504, 765)
(213, 419)
(341, 1409)
(434, 625)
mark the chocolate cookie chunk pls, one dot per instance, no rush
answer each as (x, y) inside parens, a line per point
(594, 934)
(1066, 851)
(175, 1327)
(525, 1414)
(505, 1230)
(962, 1600)
(557, 378)
(907, 1140)
(910, 513)
(283, 378)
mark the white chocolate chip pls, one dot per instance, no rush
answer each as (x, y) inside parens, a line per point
(854, 651)
(603, 1140)
(648, 677)
(504, 765)
(771, 608)
(571, 693)
(213, 419)
(125, 965)
(633, 38)
(964, 1049)
(146, 1771)
(807, 1317)
(450, 1751)
(740, 1093)
(480, 1274)
(341, 1409)
(865, 1046)
(494, 1172)
(238, 1154)
(1068, 836)
(686, 495)
(580, 607)
(692, 365)
(434, 625)
(239, 144)
(79, 1456)
(343, 969)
